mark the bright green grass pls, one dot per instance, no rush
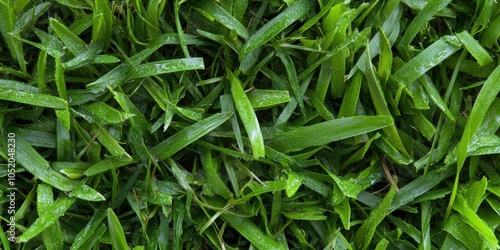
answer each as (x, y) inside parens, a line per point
(237, 124)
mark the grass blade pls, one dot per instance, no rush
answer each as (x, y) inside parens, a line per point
(473, 46)
(116, 231)
(247, 115)
(335, 130)
(7, 25)
(48, 217)
(485, 98)
(275, 26)
(188, 135)
(252, 233)
(168, 66)
(365, 233)
(32, 161)
(33, 98)
(72, 42)
(52, 236)
(213, 11)
(427, 59)
(423, 17)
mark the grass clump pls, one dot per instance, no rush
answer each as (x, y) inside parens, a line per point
(249, 124)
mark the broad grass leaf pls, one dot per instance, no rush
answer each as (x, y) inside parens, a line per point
(28, 95)
(427, 59)
(247, 115)
(470, 217)
(303, 137)
(116, 231)
(463, 233)
(72, 42)
(168, 66)
(474, 47)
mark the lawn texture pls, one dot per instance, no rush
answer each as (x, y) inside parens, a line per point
(236, 124)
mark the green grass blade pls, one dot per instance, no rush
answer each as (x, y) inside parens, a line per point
(213, 11)
(7, 25)
(275, 26)
(474, 48)
(492, 33)
(247, 115)
(100, 214)
(291, 72)
(121, 73)
(335, 130)
(263, 98)
(30, 16)
(485, 98)
(463, 233)
(102, 27)
(390, 28)
(382, 108)
(472, 219)
(116, 231)
(32, 97)
(433, 92)
(48, 217)
(72, 42)
(427, 59)
(188, 135)
(423, 17)
(168, 66)
(365, 233)
(252, 233)
(52, 236)
(420, 186)
(32, 161)
(106, 165)
(214, 181)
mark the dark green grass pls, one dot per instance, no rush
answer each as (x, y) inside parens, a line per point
(250, 124)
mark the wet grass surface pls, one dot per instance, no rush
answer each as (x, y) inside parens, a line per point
(249, 124)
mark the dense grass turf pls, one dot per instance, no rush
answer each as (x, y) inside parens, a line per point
(293, 124)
